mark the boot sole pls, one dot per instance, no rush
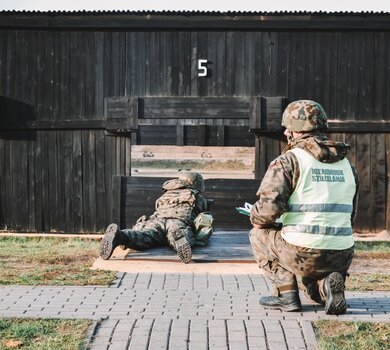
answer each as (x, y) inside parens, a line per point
(183, 249)
(283, 308)
(335, 302)
(106, 247)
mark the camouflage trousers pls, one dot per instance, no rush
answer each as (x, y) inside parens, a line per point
(156, 232)
(282, 262)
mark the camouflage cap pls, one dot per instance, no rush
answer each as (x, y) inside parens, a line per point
(304, 116)
(193, 179)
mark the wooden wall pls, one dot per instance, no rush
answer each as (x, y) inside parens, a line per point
(57, 164)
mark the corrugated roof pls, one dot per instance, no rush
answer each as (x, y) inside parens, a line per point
(194, 13)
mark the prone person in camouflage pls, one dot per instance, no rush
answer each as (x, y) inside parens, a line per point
(302, 221)
(171, 224)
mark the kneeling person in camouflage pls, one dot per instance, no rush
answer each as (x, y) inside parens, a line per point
(171, 224)
(310, 191)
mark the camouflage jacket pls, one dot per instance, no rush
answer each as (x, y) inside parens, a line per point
(180, 201)
(282, 175)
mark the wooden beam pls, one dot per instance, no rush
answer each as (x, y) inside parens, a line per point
(175, 20)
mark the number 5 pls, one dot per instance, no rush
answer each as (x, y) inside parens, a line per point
(202, 68)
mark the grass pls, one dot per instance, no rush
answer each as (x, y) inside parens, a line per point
(370, 281)
(372, 250)
(42, 334)
(50, 261)
(337, 335)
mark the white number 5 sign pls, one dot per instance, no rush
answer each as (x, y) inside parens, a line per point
(202, 68)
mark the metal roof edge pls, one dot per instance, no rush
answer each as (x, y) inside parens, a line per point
(191, 13)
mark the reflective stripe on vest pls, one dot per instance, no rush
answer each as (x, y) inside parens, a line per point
(320, 208)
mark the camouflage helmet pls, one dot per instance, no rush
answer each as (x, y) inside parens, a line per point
(194, 179)
(304, 116)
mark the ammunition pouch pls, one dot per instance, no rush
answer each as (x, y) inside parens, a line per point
(203, 228)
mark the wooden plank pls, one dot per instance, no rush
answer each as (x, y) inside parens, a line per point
(181, 102)
(249, 63)
(45, 181)
(109, 165)
(201, 112)
(140, 64)
(99, 74)
(53, 178)
(62, 167)
(101, 179)
(88, 179)
(107, 56)
(363, 168)
(203, 82)
(179, 135)
(294, 68)
(230, 63)
(201, 129)
(181, 65)
(380, 77)
(11, 62)
(378, 183)
(239, 68)
(234, 20)
(118, 195)
(273, 68)
(220, 63)
(117, 67)
(77, 182)
(3, 61)
(16, 183)
(194, 40)
(48, 79)
(166, 46)
(57, 68)
(177, 63)
(387, 140)
(223, 246)
(77, 75)
(53, 125)
(68, 177)
(257, 77)
(7, 194)
(221, 135)
(65, 76)
(282, 63)
(38, 184)
(90, 56)
(31, 145)
(387, 74)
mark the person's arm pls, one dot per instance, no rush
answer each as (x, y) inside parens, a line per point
(275, 190)
(356, 197)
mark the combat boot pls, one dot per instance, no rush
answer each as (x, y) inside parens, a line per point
(287, 301)
(183, 247)
(333, 289)
(112, 239)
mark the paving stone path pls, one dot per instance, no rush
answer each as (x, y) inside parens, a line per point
(184, 311)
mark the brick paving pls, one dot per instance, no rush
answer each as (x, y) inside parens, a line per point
(185, 311)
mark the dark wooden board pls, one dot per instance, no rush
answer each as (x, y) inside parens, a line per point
(224, 246)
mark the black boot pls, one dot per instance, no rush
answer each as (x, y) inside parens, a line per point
(288, 301)
(112, 239)
(183, 247)
(334, 287)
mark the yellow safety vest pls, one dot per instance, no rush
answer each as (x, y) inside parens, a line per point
(320, 208)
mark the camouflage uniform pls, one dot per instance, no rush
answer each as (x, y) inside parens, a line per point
(280, 260)
(175, 212)
(171, 224)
